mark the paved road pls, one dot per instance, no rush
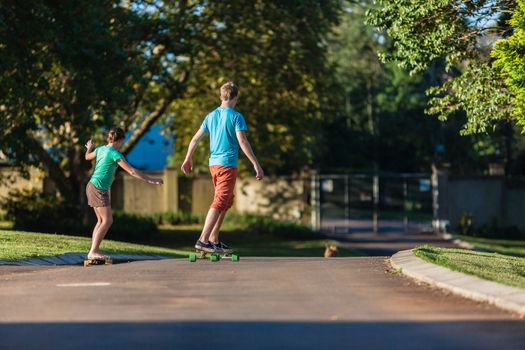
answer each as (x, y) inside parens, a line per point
(392, 237)
(258, 303)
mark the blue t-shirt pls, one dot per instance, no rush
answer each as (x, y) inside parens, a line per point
(222, 125)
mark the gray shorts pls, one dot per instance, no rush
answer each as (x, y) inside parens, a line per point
(97, 197)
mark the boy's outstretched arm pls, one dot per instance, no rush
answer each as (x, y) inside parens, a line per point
(187, 165)
(135, 173)
(247, 149)
(90, 155)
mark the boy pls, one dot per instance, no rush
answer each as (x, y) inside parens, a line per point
(227, 129)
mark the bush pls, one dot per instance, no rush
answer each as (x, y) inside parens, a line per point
(260, 224)
(491, 230)
(132, 227)
(40, 212)
(34, 211)
(178, 218)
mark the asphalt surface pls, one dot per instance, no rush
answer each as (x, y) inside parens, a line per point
(393, 236)
(257, 303)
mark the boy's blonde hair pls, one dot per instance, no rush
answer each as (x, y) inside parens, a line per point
(229, 91)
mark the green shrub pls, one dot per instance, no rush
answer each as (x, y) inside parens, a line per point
(132, 227)
(259, 224)
(466, 224)
(178, 218)
(31, 210)
(39, 212)
(493, 229)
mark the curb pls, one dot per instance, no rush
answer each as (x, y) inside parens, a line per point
(77, 259)
(502, 296)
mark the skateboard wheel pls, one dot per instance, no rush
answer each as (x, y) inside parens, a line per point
(214, 257)
(193, 257)
(235, 257)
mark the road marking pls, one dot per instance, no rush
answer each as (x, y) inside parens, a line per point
(95, 284)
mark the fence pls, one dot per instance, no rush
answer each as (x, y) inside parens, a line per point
(328, 202)
(372, 203)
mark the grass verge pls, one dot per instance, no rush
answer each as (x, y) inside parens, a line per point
(502, 246)
(495, 267)
(17, 245)
(248, 243)
(176, 241)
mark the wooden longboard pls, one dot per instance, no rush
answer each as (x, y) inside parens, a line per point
(91, 262)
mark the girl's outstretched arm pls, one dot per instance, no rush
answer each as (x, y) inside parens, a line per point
(90, 155)
(139, 175)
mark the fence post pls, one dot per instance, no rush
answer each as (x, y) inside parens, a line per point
(347, 202)
(375, 192)
(171, 190)
(314, 203)
(439, 196)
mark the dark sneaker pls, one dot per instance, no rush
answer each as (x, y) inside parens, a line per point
(206, 247)
(224, 247)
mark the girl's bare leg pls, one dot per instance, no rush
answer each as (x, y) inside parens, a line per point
(99, 222)
(106, 219)
(214, 236)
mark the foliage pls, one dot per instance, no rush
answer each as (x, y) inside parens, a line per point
(32, 210)
(466, 224)
(275, 52)
(260, 224)
(177, 218)
(479, 92)
(381, 107)
(132, 227)
(461, 33)
(71, 69)
(510, 61)
(493, 229)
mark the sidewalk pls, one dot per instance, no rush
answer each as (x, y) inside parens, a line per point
(76, 259)
(505, 297)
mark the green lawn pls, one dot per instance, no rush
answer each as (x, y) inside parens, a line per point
(502, 246)
(247, 243)
(16, 245)
(495, 267)
(176, 241)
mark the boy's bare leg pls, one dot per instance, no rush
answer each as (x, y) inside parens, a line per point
(106, 217)
(214, 236)
(209, 224)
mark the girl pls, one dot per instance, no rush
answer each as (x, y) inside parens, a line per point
(97, 190)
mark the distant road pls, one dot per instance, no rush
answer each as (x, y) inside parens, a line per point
(392, 237)
(258, 303)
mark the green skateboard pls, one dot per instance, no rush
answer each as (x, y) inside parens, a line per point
(200, 254)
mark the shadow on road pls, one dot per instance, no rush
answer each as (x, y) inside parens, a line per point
(265, 335)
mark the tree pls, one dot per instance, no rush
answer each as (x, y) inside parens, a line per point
(276, 52)
(382, 115)
(460, 33)
(510, 61)
(69, 70)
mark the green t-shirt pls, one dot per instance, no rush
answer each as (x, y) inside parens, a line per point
(105, 167)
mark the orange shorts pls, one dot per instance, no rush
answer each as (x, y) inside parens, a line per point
(224, 178)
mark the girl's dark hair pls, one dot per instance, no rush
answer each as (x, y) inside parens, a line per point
(115, 134)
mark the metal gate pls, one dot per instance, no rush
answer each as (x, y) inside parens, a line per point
(372, 203)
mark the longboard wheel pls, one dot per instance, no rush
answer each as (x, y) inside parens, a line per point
(235, 257)
(214, 257)
(193, 257)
